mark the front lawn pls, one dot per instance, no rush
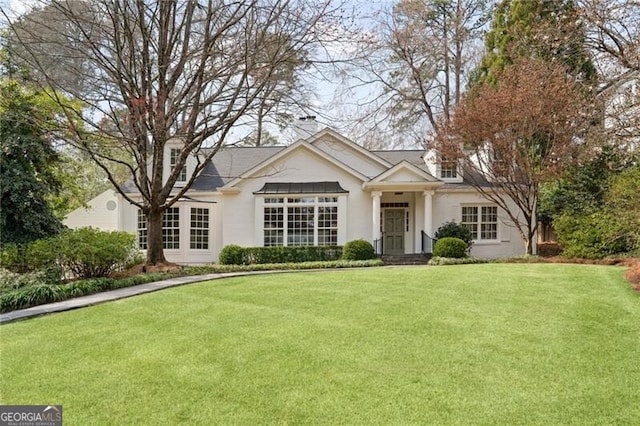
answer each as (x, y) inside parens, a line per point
(474, 344)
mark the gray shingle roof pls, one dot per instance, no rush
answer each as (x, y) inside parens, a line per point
(231, 162)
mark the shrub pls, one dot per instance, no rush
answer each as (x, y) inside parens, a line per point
(593, 236)
(450, 247)
(454, 230)
(358, 250)
(236, 255)
(443, 261)
(11, 259)
(232, 254)
(88, 252)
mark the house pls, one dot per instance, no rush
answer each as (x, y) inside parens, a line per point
(321, 190)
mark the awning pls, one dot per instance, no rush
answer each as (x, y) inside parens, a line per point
(301, 188)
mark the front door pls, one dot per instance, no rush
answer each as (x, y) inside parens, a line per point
(393, 231)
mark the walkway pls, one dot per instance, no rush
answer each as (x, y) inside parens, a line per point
(121, 293)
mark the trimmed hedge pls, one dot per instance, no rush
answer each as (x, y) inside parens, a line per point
(450, 247)
(358, 250)
(236, 255)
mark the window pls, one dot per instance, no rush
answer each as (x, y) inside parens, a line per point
(142, 230)
(300, 224)
(482, 221)
(174, 155)
(448, 169)
(301, 221)
(328, 226)
(199, 233)
(273, 226)
(170, 229)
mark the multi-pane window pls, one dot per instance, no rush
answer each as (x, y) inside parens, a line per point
(143, 232)
(273, 226)
(199, 232)
(328, 226)
(174, 154)
(448, 169)
(301, 221)
(482, 221)
(300, 224)
(170, 229)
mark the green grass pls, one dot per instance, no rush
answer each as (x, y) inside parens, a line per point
(474, 344)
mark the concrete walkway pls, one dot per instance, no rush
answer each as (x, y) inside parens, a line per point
(121, 293)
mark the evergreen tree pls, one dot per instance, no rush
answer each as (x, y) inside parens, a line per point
(27, 166)
(543, 29)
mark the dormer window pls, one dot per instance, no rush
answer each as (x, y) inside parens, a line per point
(173, 161)
(448, 169)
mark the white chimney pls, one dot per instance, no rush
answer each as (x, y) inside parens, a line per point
(305, 126)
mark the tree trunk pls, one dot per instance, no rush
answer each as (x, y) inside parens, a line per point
(155, 251)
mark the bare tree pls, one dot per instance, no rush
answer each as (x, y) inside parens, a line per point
(512, 136)
(420, 60)
(166, 71)
(614, 32)
(614, 36)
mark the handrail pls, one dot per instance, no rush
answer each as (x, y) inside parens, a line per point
(427, 243)
(378, 246)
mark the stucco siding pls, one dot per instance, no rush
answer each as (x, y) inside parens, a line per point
(101, 212)
(448, 206)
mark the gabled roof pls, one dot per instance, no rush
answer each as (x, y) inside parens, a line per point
(413, 156)
(300, 145)
(363, 151)
(418, 178)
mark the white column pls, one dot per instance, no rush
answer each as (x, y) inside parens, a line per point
(428, 212)
(375, 228)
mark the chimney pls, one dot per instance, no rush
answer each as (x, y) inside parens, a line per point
(305, 126)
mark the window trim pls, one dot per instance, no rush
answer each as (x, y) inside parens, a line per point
(201, 233)
(479, 222)
(142, 225)
(284, 204)
(174, 153)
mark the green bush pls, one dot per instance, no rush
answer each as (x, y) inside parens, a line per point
(11, 259)
(236, 255)
(454, 230)
(593, 236)
(232, 254)
(88, 252)
(358, 250)
(450, 247)
(443, 261)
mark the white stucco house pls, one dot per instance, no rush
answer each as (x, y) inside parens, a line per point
(321, 190)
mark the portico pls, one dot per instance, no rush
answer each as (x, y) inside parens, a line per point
(402, 208)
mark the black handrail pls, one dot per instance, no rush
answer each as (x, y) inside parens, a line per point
(378, 246)
(427, 243)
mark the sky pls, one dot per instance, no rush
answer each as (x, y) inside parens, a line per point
(325, 88)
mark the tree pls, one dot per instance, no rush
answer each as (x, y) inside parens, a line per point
(27, 165)
(614, 32)
(180, 71)
(513, 135)
(582, 187)
(419, 60)
(549, 30)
